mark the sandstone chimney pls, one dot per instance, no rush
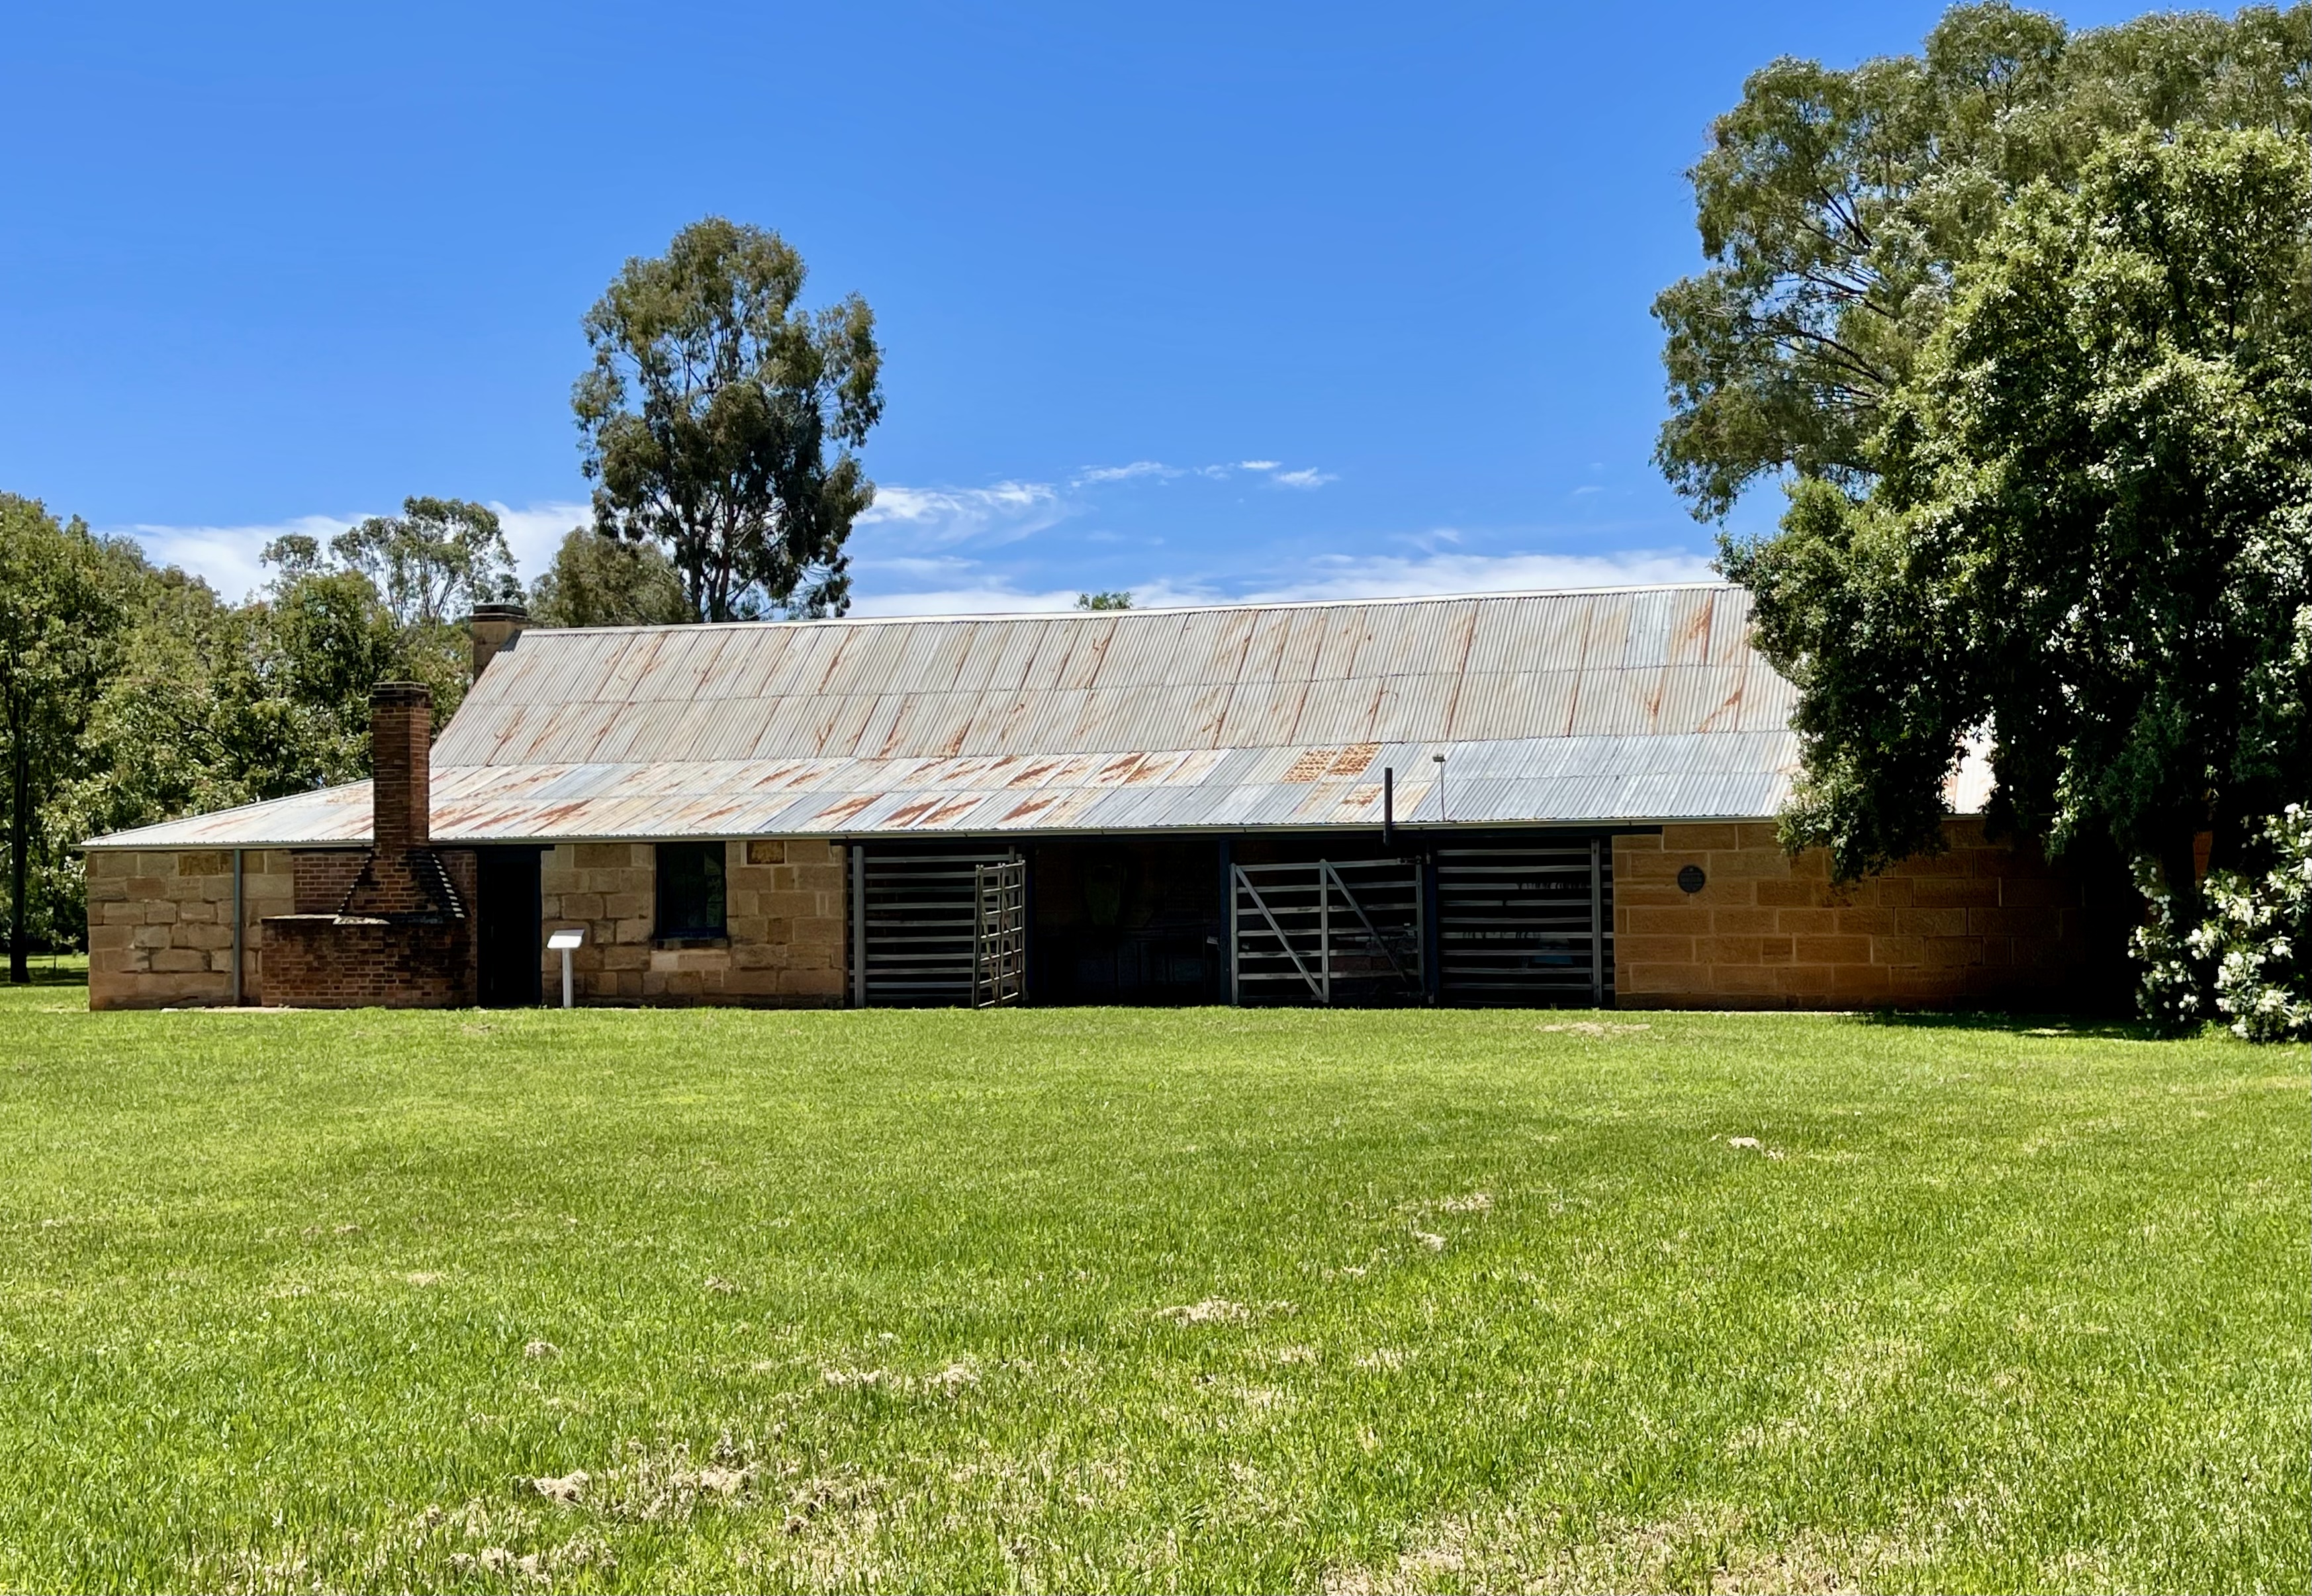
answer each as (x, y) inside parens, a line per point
(495, 627)
(400, 750)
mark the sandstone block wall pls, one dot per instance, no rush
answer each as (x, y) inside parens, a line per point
(160, 925)
(1984, 924)
(785, 917)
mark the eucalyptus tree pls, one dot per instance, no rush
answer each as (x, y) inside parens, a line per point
(433, 562)
(720, 420)
(1837, 209)
(607, 582)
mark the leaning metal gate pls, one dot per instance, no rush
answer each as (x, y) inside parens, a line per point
(1329, 931)
(999, 961)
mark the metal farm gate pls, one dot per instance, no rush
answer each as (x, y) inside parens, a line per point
(1331, 932)
(930, 928)
(1513, 924)
(999, 963)
(1527, 924)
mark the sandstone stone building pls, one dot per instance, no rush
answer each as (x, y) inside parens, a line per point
(1554, 798)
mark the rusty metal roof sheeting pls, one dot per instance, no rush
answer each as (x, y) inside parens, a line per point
(1549, 780)
(1632, 662)
(1570, 707)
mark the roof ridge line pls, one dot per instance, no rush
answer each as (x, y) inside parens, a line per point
(886, 620)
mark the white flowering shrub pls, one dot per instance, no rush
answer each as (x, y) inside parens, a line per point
(2257, 937)
(2172, 987)
(2248, 962)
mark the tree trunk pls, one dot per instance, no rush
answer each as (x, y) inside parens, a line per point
(2179, 874)
(2228, 828)
(20, 843)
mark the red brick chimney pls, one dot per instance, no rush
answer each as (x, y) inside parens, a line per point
(494, 627)
(389, 926)
(400, 750)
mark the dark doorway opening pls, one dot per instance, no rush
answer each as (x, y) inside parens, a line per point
(506, 927)
(1129, 920)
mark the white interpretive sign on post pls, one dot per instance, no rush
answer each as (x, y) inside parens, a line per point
(565, 941)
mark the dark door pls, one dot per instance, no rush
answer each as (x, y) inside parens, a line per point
(506, 927)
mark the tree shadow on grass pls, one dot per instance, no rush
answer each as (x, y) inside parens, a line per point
(2084, 1028)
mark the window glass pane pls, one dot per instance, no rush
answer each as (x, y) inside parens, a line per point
(690, 902)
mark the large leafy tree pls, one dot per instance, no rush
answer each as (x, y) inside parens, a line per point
(56, 627)
(143, 696)
(433, 562)
(1837, 208)
(2088, 532)
(719, 421)
(606, 581)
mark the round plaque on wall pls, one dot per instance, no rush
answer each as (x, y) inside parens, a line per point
(1690, 878)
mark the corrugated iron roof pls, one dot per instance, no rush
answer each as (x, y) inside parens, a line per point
(1567, 708)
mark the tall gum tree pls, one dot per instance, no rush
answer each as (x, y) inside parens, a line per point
(719, 421)
(1836, 209)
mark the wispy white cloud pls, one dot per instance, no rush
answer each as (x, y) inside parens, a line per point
(230, 556)
(534, 532)
(994, 597)
(1395, 577)
(1138, 468)
(935, 517)
(1157, 470)
(227, 556)
(961, 586)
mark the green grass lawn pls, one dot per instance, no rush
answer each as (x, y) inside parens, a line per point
(1129, 1299)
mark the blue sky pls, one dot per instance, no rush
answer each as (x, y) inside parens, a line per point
(1197, 301)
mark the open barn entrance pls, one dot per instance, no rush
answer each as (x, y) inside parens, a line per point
(1127, 920)
(1314, 918)
(508, 936)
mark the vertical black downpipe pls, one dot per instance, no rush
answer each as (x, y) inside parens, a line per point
(1031, 948)
(1433, 978)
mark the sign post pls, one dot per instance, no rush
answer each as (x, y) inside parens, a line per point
(565, 941)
